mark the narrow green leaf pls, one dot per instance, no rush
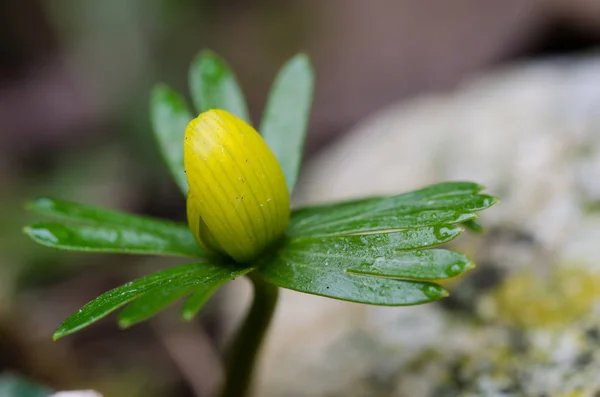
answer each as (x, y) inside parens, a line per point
(431, 264)
(386, 221)
(91, 215)
(392, 213)
(317, 279)
(109, 231)
(403, 240)
(157, 299)
(214, 86)
(287, 113)
(152, 303)
(179, 276)
(473, 225)
(397, 254)
(370, 203)
(118, 297)
(443, 189)
(103, 239)
(196, 301)
(170, 116)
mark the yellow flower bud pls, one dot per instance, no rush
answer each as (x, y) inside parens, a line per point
(238, 203)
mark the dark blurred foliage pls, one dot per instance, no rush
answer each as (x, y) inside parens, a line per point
(74, 81)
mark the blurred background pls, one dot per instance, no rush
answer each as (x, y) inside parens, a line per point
(74, 84)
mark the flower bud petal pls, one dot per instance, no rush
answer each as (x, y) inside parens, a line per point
(238, 202)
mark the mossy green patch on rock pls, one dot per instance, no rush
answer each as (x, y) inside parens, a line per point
(528, 300)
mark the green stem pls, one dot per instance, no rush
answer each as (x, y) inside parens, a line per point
(246, 344)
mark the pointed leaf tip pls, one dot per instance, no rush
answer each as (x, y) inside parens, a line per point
(39, 204)
(124, 323)
(435, 291)
(43, 235)
(213, 85)
(198, 299)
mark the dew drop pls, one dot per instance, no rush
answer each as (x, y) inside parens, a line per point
(433, 291)
(379, 261)
(454, 270)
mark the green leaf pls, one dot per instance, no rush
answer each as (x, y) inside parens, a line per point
(16, 386)
(197, 300)
(318, 279)
(403, 240)
(91, 215)
(398, 254)
(438, 204)
(156, 300)
(371, 203)
(474, 226)
(392, 268)
(431, 264)
(101, 230)
(118, 297)
(152, 303)
(214, 86)
(287, 113)
(170, 116)
(444, 189)
(103, 239)
(332, 249)
(188, 275)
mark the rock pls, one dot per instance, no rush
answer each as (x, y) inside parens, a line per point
(526, 321)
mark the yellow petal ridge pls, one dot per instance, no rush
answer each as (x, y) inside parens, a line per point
(238, 203)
